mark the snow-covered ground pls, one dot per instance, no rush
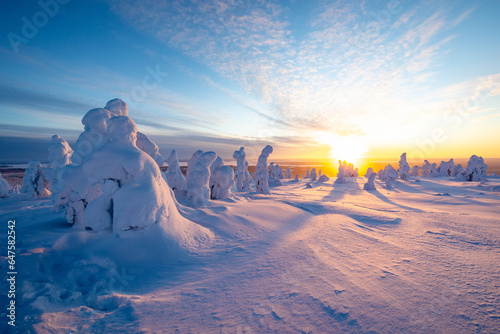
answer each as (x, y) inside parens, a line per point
(423, 257)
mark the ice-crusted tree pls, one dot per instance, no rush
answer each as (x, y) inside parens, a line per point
(198, 191)
(475, 170)
(242, 177)
(313, 175)
(446, 168)
(261, 173)
(59, 156)
(404, 168)
(457, 170)
(388, 175)
(218, 162)
(307, 173)
(248, 179)
(370, 184)
(346, 172)
(288, 173)
(369, 172)
(173, 174)
(4, 187)
(145, 144)
(429, 170)
(59, 152)
(223, 180)
(34, 183)
(414, 171)
(192, 162)
(118, 187)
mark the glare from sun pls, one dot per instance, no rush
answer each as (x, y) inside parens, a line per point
(344, 148)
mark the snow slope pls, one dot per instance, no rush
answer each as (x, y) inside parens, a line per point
(423, 257)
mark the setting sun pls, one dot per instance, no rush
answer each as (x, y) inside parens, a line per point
(344, 148)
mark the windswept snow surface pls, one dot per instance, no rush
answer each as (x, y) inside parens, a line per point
(420, 258)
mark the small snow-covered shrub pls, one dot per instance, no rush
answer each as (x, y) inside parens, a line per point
(307, 173)
(4, 187)
(369, 172)
(198, 191)
(429, 170)
(446, 168)
(346, 172)
(404, 168)
(261, 173)
(34, 183)
(370, 185)
(313, 175)
(275, 171)
(223, 181)
(288, 173)
(414, 171)
(173, 174)
(388, 175)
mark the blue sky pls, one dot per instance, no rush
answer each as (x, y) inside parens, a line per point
(316, 79)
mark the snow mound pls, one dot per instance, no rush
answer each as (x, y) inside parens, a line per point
(322, 178)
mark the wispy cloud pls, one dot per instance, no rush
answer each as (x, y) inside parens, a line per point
(350, 65)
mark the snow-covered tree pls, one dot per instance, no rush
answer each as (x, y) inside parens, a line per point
(198, 191)
(370, 185)
(145, 144)
(120, 188)
(4, 187)
(446, 168)
(59, 152)
(404, 168)
(192, 162)
(313, 175)
(429, 170)
(346, 172)
(174, 176)
(414, 171)
(369, 172)
(388, 175)
(218, 162)
(475, 170)
(248, 178)
(457, 170)
(261, 173)
(34, 183)
(288, 173)
(242, 177)
(59, 156)
(307, 173)
(296, 178)
(223, 181)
